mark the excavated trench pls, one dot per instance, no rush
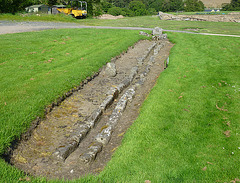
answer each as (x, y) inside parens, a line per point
(80, 134)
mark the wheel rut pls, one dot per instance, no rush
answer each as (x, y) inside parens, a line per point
(79, 136)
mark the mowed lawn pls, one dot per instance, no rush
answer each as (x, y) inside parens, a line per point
(188, 127)
(38, 67)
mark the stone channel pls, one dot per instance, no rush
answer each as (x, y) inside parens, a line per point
(79, 135)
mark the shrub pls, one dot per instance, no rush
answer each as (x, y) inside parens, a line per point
(128, 12)
(106, 6)
(138, 8)
(193, 5)
(115, 11)
(233, 6)
(152, 11)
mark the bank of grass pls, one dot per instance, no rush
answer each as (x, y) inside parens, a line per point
(188, 128)
(37, 17)
(36, 68)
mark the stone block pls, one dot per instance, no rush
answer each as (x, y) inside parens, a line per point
(94, 118)
(107, 101)
(111, 70)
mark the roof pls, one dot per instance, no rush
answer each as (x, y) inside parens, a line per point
(37, 6)
(59, 6)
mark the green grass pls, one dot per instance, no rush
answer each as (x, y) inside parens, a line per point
(151, 22)
(179, 135)
(143, 21)
(37, 17)
(180, 130)
(38, 67)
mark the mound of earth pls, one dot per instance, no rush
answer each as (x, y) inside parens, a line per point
(109, 17)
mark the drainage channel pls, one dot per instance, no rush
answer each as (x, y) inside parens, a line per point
(80, 135)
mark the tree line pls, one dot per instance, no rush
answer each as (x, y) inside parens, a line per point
(114, 7)
(233, 6)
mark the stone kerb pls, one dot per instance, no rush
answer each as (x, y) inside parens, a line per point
(70, 145)
(104, 136)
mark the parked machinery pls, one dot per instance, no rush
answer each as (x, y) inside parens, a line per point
(78, 9)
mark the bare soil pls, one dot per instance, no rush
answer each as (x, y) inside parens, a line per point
(214, 3)
(232, 17)
(109, 17)
(34, 155)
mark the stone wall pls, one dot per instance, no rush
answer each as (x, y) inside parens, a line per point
(211, 18)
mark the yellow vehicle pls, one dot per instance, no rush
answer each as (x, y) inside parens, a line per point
(78, 9)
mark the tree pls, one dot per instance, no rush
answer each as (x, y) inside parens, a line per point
(193, 5)
(115, 11)
(157, 4)
(176, 5)
(233, 6)
(138, 8)
(52, 2)
(106, 6)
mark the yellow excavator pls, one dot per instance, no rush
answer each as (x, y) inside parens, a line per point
(78, 9)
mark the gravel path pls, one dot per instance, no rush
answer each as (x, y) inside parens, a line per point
(16, 27)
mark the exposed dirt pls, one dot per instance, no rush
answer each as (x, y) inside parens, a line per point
(35, 155)
(234, 17)
(109, 17)
(215, 3)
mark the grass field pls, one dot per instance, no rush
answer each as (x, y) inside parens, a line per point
(144, 21)
(188, 128)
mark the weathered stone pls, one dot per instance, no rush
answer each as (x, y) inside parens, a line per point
(108, 100)
(126, 82)
(167, 62)
(120, 87)
(91, 154)
(164, 36)
(104, 136)
(157, 31)
(63, 152)
(122, 103)
(144, 33)
(111, 70)
(80, 133)
(130, 93)
(140, 61)
(151, 60)
(133, 72)
(113, 91)
(147, 69)
(72, 143)
(94, 118)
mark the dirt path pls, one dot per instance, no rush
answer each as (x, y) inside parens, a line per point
(81, 134)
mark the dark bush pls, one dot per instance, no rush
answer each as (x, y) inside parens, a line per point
(115, 11)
